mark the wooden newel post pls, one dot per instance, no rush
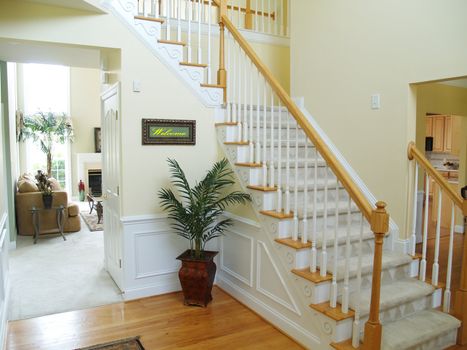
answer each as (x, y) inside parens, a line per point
(222, 73)
(460, 302)
(373, 328)
(248, 15)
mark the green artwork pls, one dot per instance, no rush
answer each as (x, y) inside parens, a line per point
(168, 132)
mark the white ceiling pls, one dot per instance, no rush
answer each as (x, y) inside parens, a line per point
(75, 4)
(458, 83)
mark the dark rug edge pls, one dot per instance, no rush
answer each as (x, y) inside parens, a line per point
(114, 342)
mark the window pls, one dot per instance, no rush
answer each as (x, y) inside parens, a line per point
(47, 88)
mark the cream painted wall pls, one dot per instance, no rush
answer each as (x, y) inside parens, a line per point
(343, 52)
(85, 90)
(143, 168)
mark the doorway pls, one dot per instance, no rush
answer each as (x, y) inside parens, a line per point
(56, 275)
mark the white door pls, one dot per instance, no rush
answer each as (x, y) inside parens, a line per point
(110, 141)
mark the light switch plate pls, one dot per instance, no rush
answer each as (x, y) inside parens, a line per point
(375, 101)
(136, 86)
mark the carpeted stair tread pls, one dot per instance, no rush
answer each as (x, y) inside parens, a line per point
(342, 235)
(394, 294)
(416, 329)
(390, 260)
(331, 209)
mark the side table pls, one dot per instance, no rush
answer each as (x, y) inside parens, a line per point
(60, 215)
(95, 203)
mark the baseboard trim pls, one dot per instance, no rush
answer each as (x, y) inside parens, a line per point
(12, 245)
(4, 319)
(151, 290)
(285, 325)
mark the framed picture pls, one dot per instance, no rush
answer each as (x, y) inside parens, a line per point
(97, 140)
(168, 132)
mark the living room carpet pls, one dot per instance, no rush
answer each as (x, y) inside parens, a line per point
(91, 221)
(55, 276)
(123, 344)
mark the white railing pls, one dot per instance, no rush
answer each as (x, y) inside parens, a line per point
(432, 218)
(292, 166)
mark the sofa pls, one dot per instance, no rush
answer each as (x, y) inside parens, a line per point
(28, 196)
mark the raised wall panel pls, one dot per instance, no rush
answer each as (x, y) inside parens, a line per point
(269, 281)
(237, 256)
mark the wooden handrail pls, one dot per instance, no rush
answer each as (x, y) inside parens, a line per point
(414, 153)
(242, 9)
(355, 193)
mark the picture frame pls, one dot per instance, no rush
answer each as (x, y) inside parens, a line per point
(97, 140)
(168, 132)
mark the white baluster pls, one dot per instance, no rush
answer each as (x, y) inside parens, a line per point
(447, 292)
(333, 298)
(145, 9)
(356, 322)
(314, 253)
(258, 120)
(425, 229)
(168, 19)
(256, 15)
(234, 82)
(251, 144)
(287, 165)
(239, 14)
(288, 19)
(265, 167)
(279, 160)
(435, 271)
(200, 51)
(295, 214)
(156, 9)
(239, 97)
(346, 289)
(229, 81)
(189, 17)
(245, 100)
(209, 39)
(413, 242)
(269, 17)
(271, 161)
(276, 19)
(324, 253)
(305, 198)
(179, 21)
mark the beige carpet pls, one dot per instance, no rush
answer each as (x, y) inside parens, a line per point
(56, 276)
(91, 220)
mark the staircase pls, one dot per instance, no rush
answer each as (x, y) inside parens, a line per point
(333, 240)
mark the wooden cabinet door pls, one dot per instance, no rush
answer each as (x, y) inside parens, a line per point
(448, 134)
(429, 126)
(456, 135)
(438, 134)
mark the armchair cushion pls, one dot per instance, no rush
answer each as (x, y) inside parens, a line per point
(25, 186)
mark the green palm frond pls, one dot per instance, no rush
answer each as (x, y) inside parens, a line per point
(197, 216)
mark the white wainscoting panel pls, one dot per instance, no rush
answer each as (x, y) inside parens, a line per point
(149, 256)
(4, 280)
(238, 259)
(269, 281)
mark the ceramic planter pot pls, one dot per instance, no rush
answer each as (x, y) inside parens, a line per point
(197, 277)
(47, 200)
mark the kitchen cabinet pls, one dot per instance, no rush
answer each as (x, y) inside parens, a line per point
(438, 134)
(445, 131)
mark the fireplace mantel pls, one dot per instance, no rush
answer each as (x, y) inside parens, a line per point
(87, 161)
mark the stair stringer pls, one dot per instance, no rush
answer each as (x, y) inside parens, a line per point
(149, 33)
(310, 328)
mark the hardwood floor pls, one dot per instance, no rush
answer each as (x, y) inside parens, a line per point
(163, 322)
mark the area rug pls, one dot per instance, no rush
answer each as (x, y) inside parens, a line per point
(91, 221)
(122, 344)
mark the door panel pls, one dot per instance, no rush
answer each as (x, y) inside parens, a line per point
(438, 134)
(111, 183)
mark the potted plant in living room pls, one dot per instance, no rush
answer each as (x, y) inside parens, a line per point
(45, 187)
(195, 215)
(47, 129)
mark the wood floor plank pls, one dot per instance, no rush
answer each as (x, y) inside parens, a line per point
(163, 322)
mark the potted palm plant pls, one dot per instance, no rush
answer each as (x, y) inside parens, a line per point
(47, 128)
(195, 215)
(45, 187)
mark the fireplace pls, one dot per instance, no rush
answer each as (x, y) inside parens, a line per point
(95, 182)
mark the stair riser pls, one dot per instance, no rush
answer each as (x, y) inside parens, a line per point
(286, 227)
(243, 156)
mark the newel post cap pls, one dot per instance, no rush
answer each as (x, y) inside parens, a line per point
(380, 219)
(409, 150)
